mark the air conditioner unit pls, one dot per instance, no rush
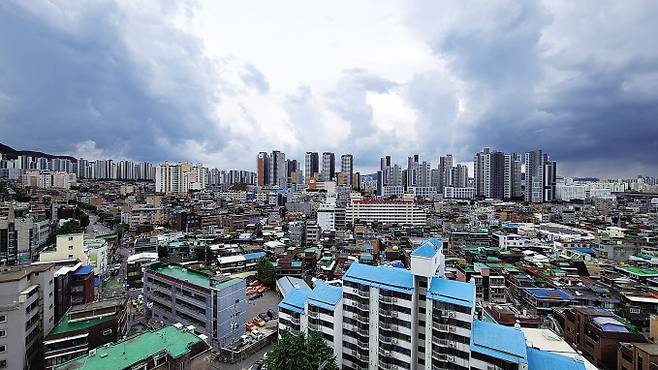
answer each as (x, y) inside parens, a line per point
(450, 358)
(92, 352)
(452, 315)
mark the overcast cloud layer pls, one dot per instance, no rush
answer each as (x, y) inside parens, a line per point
(217, 82)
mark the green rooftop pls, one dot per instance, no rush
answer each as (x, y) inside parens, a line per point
(185, 274)
(66, 326)
(175, 342)
(639, 270)
(191, 276)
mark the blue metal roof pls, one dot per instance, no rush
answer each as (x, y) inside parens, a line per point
(550, 293)
(384, 277)
(584, 250)
(498, 341)
(294, 301)
(542, 360)
(325, 296)
(287, 283)
(83, 270)
(451, 291)
(428, 249)
(254, 256)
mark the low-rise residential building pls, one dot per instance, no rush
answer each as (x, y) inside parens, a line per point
(637, 356)
(215, 305)
(597, 333)
(239, 263)
(85, 327)
(134, 265)
(171, 347)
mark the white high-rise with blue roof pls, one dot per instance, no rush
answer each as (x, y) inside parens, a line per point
(392, 318)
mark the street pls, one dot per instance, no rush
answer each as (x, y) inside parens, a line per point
(96, 228)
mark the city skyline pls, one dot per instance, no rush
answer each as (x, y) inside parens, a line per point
(165, 82)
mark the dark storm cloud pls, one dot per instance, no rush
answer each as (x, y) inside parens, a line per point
(130, 82)
(578, 80)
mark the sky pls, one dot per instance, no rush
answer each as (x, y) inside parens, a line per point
(218, 81)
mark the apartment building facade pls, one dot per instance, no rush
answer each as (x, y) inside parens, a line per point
(214, 305)
(26, 314)
(402, 212)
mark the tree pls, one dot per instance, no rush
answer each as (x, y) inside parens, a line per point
(301, 352)
(84, 219)
(163, 252)
(266, 273)
(69, 227)
(200, 253)
(121, 229)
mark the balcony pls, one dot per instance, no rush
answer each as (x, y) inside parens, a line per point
(387, 339)
(386, 325)
(295, 320)
(387, 299)
(363, 345)
(363, 293)
(362, 331)
(313, 326)
(313, 314)
(361, 318)
(388, 313)
(385, 365)
(384, 352)
(361, 306)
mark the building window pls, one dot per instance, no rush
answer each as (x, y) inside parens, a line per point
(3, 333)
(160, 360)
(107, 331)
(3, 318)
(3, 348)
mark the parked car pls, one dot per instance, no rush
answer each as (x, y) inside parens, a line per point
(255, 296)
(271, 314)
(264, 317)
(258, 321)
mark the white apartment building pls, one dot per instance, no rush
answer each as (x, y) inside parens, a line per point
(173, 178)
(424, 192)
(327, 216)
(450, 192)
(48, 179)
(392, 318)
(403, 212)
(392, 190)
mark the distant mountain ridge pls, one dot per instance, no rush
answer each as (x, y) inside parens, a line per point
(12, 153)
